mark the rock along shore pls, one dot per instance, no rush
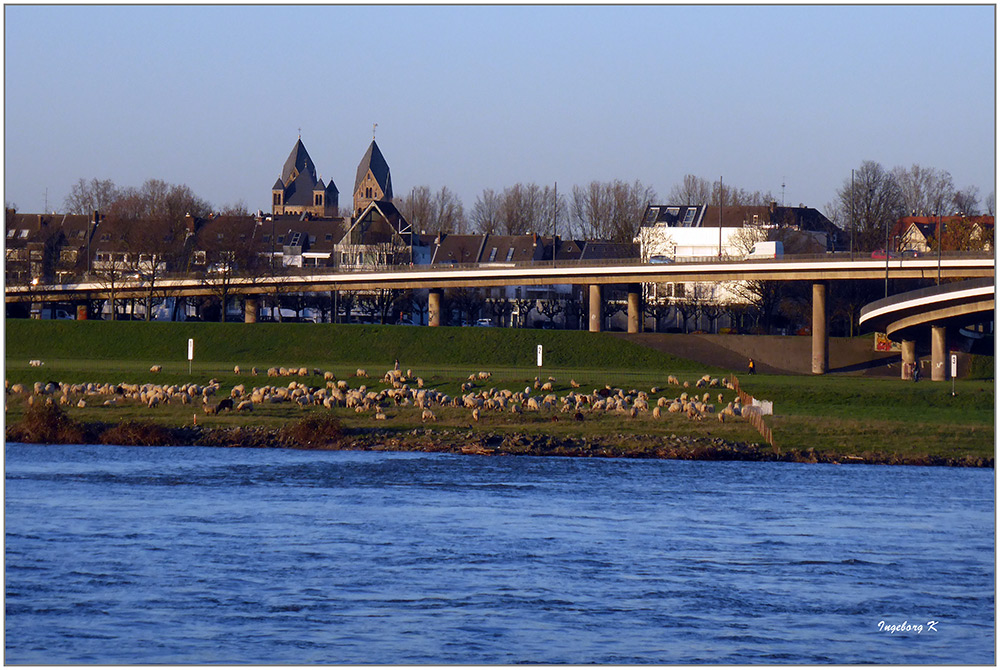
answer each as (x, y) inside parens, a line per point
(676, 447)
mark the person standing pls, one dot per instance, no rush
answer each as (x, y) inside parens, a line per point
(751, 368)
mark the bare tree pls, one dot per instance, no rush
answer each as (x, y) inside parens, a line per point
(550, 308)
(437, 212)
(610, 210)
(528, 208)
(924, 191)
(874, 203)
(691, 191)
(485, 216)
(966, 201)
(991, 203)
(86, 197)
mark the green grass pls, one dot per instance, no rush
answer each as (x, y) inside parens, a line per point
(325, 345)
(849, 415)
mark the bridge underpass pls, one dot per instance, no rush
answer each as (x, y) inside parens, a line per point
(931, 314)
(819, 270)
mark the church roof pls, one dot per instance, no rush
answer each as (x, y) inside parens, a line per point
(299, 192)
(277, 185)
(375, 161)
(298, 160)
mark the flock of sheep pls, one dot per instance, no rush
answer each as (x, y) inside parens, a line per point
(401, 389)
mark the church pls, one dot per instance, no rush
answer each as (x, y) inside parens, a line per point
(300, 191)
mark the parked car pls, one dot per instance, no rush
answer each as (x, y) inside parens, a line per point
(660, 260)
(484, 323)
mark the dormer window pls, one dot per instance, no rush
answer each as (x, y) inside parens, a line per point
(689, 216)
(11, 233)
(510, 254)
(24, 234)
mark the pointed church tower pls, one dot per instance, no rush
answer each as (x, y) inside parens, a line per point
(373, 181)
(298, 190)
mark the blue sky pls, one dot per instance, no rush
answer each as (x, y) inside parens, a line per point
(474, 97)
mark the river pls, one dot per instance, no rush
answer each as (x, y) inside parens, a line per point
(125, 555)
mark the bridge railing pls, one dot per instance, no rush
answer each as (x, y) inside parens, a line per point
(930, 291)
(327, 271)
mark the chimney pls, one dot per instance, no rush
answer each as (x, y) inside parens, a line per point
(774, 206)
(189, 222)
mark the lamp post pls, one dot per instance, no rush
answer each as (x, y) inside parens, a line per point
(940, 235)
(887, 257)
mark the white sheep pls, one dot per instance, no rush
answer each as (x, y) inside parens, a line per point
(156, 368)
(428, 415)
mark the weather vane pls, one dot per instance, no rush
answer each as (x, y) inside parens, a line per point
(374, 126)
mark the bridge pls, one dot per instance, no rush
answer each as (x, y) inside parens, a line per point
(818, 269)
(908, 316)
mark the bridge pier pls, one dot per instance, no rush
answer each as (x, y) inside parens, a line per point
(635, 308)
(596, 308)
(820, 341)
(251, 305)
(434, 307)
(909, 351)
(939, 369)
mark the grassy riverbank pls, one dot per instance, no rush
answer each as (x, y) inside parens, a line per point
(838, 417)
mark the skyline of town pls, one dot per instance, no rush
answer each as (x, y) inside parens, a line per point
(601, 94)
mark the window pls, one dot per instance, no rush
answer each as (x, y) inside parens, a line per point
(368, 192)
(277, 199)
(329, 237)
(689, 216)
(510, 254)
(319, 199)
(673, 211)
(35, 254)
(11, 233)
(266, 238)
(653, 213)
(281, 239)
(199, 258)
(24, 234)
(312, 239)
(493, 254)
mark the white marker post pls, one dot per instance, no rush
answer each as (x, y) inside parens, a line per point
(539, 355)
(954, 371)
(190, 353)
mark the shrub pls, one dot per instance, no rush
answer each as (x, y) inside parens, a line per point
(46, 424)
(981, 367)
(137, 433)
(313, 432)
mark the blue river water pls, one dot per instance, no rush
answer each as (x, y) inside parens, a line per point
(125, 555)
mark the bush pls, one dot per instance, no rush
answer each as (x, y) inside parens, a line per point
(138, 434)
(46, 424)
(313, 432)
(981, 367)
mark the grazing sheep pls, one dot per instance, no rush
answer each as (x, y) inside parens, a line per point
(380, 416)
(156, 368)
(245, 406)
(303, 372)
(17, 388)
(673, 381)
(272, 372)
(35, 363)
(573, 384)
(236, 369)
(656, 412)
(361, 372)
(547, 386)
(328, 376)
(82, 403)
(226, 403)
(427, 415)
(475, 414)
